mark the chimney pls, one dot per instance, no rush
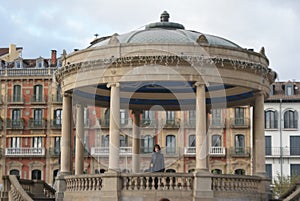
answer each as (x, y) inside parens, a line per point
(12, 49)
(53, 58)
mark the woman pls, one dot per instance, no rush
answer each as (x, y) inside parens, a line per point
(157, 163)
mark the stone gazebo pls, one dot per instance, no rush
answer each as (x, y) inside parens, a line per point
(167, 67)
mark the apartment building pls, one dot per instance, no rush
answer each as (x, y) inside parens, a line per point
(31, 119)
(282, 135)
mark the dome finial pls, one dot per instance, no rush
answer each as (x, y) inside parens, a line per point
(164, 17)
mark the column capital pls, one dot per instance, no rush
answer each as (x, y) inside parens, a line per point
(197, 84)
(67, 94)
(113, 84)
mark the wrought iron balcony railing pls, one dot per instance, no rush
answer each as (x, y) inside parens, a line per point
(240, 152)
(25, 151)
(56, 123)
(15, 99)
(283, 151)
(217, 123)
(37, 124)
(15, 124)
(35, 99)
(240, 122)
(54, 151)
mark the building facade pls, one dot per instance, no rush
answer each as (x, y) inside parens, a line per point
(282, 135)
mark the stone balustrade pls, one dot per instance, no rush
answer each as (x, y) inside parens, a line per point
(236, 183)
(157, 181)
(83, 183)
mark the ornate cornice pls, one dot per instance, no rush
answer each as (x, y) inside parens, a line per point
(169, 60)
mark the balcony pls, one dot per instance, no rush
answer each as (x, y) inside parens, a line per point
(16, 100)
(275, 152)
(217, 151)
(191, 123)
(15, 124)
(37, 124)
(56, 99)
(55, 123)
(34, 99)
(240, 123)
(243, 152)
(172, 124)
(217, 123)
(24, 152)
(147, 123)
(104, 151)
(54, 151)
(189, 151)
(104, 123)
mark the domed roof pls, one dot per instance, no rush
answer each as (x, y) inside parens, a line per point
(164, 32)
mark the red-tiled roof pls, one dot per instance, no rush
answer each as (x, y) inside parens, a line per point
(5, 50)
(279, 91)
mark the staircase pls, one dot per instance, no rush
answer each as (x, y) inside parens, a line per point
(26, 190)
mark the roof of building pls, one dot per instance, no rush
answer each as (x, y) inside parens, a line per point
(279, 92)
(164, 32)
(5, 50)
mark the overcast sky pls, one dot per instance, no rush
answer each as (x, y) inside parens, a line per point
(40, 26)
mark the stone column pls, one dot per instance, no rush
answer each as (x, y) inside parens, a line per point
(259, 136)
(201, 137)
(79, 152)
(114, 127)
(136, 141)
(66, 135)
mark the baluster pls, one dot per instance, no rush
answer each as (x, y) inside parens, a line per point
(160, 183)
(138, 183)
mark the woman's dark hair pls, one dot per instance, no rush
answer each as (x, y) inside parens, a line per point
(155, 147)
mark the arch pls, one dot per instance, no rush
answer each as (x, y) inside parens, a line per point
(14, 172)
(170, 144)
(271, 119)
(36, 174)
(290, 119)
(239, 172)
(216, 171)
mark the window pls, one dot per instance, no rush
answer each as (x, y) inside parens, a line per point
(272, 90)
(216, 140)
(18, 63)
(123, 141)
(239, 144)
(86, 117)
(15, 142)
(105, 141)
(148, 142)
(57, 117)
(170, 144)
(37, 142)
(290, 119)
(16, 117)
(107, 116)
(170, 117)
(289, 89)
(239, 116)
(216, 171)
(38, 117)
(239, 172)
(36, 175)
(269, 170)
(39, 64)
(294, 145)
(271, 119)
(216, 117)
(192, 140)
(38, 93)
(17, 93)
(86, 141)
(14, 172)
(268, 146)
(56, 145)
(146, 117)
(58, 93)
(192, 117)
(123, 117)
(295, 169)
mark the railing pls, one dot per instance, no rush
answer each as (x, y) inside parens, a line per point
(286, 151)
(190, 151)
(83, 183)
(217, 123)
(157, 181)
(104, 151)
(104, 123)
(35, 99)
(14, 123)
(27, 72)
(57, 99)
(15, 99)
(147, 123)
(191, 123)
(56, 123)
(54, 151)
(172, 123)
(240, 152)
(239, 122)
(24, 152)
(217, 151)
(236, 183)
(37, 123)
